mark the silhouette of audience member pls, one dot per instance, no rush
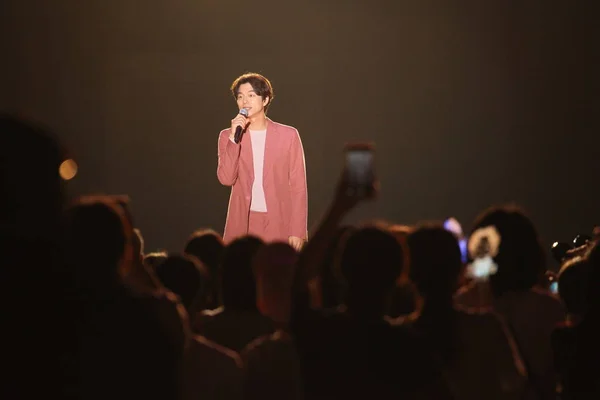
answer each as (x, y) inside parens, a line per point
(530, 313)
(137, 275)
(572, 284)
(125, 351)
(154, 259)
(357, 352)
(33, 265)
(272, 363)
(475, 348)
(577, 344)
(32, 188)
(142, 282)
(238, 321)
(207, 246)
(584, 376)
(142, 272)
(274, 266)
(210, 370)
(329, 280)
(354, 352)
(187, 278)
(138, 243)
(405, 299)
(572, 288)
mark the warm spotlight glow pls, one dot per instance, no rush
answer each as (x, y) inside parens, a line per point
(68, 169)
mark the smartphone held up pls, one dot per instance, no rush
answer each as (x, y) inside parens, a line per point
(360, 170)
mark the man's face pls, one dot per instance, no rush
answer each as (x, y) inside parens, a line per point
(248, 99)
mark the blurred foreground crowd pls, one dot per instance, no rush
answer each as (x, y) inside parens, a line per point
(378, 310)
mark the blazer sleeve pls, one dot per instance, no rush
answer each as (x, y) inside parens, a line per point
(228, 157)
(298, 189)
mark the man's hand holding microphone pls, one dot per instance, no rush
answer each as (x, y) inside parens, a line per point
(238, 125)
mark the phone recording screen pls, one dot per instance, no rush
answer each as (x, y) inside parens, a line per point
(359, 164)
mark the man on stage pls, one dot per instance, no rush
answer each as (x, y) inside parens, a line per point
(264, 164)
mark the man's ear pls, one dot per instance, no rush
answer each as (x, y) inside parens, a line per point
(266, 101)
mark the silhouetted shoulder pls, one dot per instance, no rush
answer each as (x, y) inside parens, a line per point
(482, 320)
(272, 367)
(211, 371)
(212, 313)
(205, 317)
(275, 339)
(209, 346)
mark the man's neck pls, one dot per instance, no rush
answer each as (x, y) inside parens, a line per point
(258, 123)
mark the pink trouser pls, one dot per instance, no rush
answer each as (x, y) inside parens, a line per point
(261, 225)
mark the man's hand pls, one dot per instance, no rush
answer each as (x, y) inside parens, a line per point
(296, 242)
(239, 120)
(345, 198)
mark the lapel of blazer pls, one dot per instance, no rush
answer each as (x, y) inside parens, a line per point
(247, 154)
(270, 149)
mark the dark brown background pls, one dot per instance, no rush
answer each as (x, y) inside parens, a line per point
(469, 102)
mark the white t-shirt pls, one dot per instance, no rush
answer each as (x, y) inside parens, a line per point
(258, 204)
(258, 139)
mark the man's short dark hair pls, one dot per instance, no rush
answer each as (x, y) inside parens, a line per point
(259, 83)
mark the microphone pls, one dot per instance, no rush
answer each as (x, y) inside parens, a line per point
(238, 130)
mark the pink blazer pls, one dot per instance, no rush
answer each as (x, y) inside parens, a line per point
(284, 181)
